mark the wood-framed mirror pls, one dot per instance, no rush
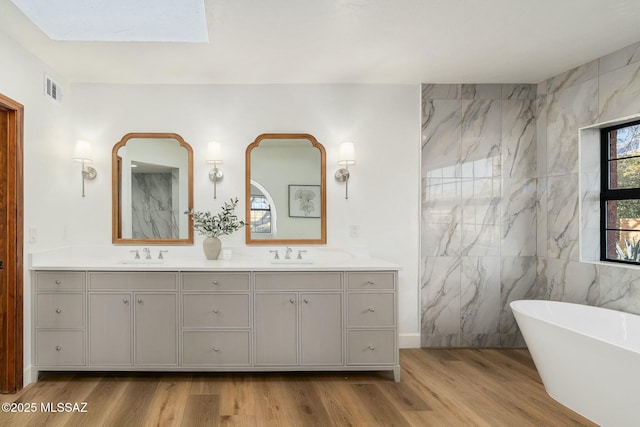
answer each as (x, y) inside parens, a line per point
(285, 190)
(152, 187)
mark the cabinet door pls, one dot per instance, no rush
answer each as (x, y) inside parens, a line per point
(321, 329)
(156, 329)
(110, 329)
(276, 329)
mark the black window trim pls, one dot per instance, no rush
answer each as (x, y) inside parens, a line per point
(607, 194)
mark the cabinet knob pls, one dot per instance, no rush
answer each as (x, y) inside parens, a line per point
(216, 349)
(139, 300)
(371, 347)
(125, 300)
(306, 301)
(58, 282)
(215, 282)
(58, 310)
(370, 282)
(371, 309)
(58, 348)
(215, 310)
(291, 300)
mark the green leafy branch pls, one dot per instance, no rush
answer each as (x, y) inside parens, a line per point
(224, 223)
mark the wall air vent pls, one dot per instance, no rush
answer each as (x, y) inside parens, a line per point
(52, 89)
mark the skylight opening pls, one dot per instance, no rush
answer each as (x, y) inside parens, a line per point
(119, 20)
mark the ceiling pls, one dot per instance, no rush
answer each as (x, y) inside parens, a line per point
(344, 41)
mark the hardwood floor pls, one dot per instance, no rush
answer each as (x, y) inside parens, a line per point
(440, 387)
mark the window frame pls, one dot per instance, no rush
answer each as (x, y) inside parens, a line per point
(608, 194)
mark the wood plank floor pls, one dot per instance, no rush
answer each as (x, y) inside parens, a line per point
(440, 387)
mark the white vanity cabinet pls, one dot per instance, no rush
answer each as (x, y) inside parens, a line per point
(133, 318)
(59, 318)
(299, 319)
(241, 319)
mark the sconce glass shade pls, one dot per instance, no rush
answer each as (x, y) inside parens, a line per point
(214, 153)
(82, 152)
(347, 154)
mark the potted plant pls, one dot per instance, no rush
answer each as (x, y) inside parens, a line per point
(212, 226)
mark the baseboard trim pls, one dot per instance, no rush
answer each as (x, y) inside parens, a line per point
(28, 375)
(409, 341)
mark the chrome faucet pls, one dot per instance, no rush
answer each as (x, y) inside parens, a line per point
(300, 252)
(137, 256)
(287, 254)
(276, 255)
(147, 253)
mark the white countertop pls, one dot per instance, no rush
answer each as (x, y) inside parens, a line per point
(187, 259)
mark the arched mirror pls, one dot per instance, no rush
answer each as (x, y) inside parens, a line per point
(152, 186)
(285, 190)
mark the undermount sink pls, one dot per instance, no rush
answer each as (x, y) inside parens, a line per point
(142, 261)
(291, 261)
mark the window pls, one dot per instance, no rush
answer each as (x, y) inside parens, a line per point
(620, 193)
(260, 214)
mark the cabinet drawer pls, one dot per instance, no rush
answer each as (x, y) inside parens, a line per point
(371, 347)
(60, 280)
(368, 309)
(59, 348)
(370, 280)
(215, 310)
(60, 310)
(215, 281)
(215, 348)
(298, 281)
(137, 281)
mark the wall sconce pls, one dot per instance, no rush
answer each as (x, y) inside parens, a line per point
(347, 157)
(214, 157)
(82, 154)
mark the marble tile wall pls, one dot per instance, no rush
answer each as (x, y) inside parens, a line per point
(152, 206)
(479, 188)
(501, 201)
(602, 90)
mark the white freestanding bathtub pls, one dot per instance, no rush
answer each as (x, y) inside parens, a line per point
(588, 357)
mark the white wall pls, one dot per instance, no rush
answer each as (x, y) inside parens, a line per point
(382, 120)
(50, 177)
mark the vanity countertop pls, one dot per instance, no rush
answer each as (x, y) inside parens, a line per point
(70, 259)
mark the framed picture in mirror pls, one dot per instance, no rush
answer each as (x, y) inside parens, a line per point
(304, 201)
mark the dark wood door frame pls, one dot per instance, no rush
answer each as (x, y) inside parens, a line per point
(11, 249)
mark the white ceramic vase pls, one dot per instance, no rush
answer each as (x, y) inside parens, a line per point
(211, 246)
